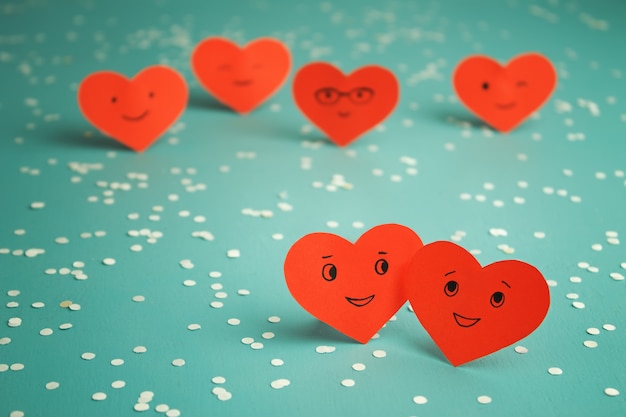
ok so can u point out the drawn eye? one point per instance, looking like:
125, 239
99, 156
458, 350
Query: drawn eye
361, 95
113, 99
151, 94
451, 288
381, 266
521, 83
497, 299
327, 95
329, 272
485, 86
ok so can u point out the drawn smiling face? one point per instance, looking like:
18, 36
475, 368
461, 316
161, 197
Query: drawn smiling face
471, 311
504, 95
343, 103
354, 288
128, 111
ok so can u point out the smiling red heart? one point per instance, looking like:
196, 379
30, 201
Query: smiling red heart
354, 288
134, 112
471, 311
504, 96
241, 78
345, 106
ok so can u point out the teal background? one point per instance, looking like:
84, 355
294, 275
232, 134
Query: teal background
48, 47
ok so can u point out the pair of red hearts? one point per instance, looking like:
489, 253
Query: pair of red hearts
470, 311
136, 112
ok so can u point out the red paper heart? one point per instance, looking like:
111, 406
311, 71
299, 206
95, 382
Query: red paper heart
504, 96
471, 311
135, 112
345, 107
354, 288
241, 78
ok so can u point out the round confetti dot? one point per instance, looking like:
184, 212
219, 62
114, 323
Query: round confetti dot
555, 371
280, 383
99, 396
52, 385
141, 407
233, 253
521, 350
162, 408
118, 384
578, 304
611, 392
172, 412
88, 356
358, 367
215, 274
136, 248
108, 261
325, 349
616, 276
14, 322
36, 205
278, 236
576, 280
17, 366
178, 362
348, 382
16, 413
420, 399
117, 362
277, 362
591, 344
332, 224
268, 335
233, 322
4, 367
274, 319
13, 293
379, 353
139, 298
50, 271
46, 332
217, 304
243, 292
5, 340
194, 326
217, 286
221, 295
140, 349
256, 345
484, 399
572, 296
186, 264
609, 327
593, 331
218, 379
65, 304
189, 283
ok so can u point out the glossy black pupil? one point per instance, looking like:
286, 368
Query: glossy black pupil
113, 99
151, 94
498, 297
485, 86
333, 272
451, 286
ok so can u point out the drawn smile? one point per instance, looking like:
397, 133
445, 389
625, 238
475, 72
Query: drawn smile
360, 302
506, 106
242, 83
465, 321
136, 118
343, 114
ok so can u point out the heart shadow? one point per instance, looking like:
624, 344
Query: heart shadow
200, 99
70, 135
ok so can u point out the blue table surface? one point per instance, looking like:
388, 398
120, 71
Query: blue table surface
551, 193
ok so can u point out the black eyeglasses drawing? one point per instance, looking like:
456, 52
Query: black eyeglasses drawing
329, 95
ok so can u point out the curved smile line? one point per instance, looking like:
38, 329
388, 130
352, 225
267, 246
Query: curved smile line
242, 83
135, 119
360, 302
343, 114
465, 321
506, 106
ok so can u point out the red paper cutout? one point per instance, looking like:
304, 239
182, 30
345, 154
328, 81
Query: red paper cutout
135, 112
241, 78
471, 311
345, 106
354, 288
504, 96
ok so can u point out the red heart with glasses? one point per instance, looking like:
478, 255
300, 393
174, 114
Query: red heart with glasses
504, 96
241, 78
471, 311
354, 288
135, 112
345, 106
